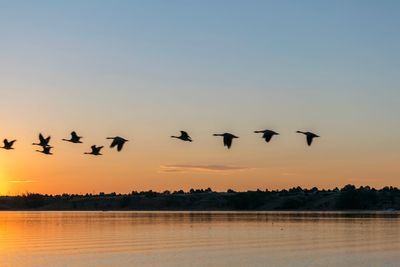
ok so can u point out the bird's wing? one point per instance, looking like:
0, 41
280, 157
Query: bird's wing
228, 141
309, 139
120, 146
5, 141
184, 134
114, 143
12, 142
267, 136
47, 140
41, 138
74, 135
93, 147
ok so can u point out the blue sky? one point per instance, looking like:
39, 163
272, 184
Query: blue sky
146, 69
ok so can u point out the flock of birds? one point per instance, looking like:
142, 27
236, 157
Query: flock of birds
118, 142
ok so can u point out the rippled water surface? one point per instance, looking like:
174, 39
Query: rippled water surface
199, 239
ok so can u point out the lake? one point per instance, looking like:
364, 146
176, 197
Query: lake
209, 239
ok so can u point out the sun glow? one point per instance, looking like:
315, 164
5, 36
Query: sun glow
3, 177
3, 183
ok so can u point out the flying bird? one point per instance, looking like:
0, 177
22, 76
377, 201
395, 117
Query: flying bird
46, 150
309, 135
8, 144
95, 150
267, 134
228, 137
118, 142
43, 141
75, 138
184, 137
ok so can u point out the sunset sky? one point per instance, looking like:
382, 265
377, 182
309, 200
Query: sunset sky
146, 69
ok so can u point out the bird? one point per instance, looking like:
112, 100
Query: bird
117, 141
75, 138
267, 134
228, 137
184, 137
310, 136
95, 150
43, 141
46, 150
8, 144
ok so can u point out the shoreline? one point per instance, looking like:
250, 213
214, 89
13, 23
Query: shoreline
349, 198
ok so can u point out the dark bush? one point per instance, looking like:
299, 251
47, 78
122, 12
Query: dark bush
32, 201
292, 203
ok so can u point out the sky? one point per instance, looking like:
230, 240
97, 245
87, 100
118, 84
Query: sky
145, 70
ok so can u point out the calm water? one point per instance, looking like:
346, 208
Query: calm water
198, 239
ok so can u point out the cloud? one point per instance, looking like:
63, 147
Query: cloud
21, 181
202, 168
289, 174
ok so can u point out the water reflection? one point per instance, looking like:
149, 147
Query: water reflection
199, 239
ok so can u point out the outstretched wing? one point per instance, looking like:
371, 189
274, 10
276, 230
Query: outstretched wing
184, 135
47, 140
5, 141
41, 138
267, 136
114, 143
120, 146
74, 135
309, 139
227, 141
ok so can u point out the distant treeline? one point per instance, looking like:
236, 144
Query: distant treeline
347, 198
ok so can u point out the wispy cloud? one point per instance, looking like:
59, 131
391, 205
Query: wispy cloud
289, 174
21, 181
202, 168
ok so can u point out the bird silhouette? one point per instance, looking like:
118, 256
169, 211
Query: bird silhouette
95, 150
228, 137
309, 135
74, 138
184, 136
46, 150
43, 141
267, 134
8, 144
118, 142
